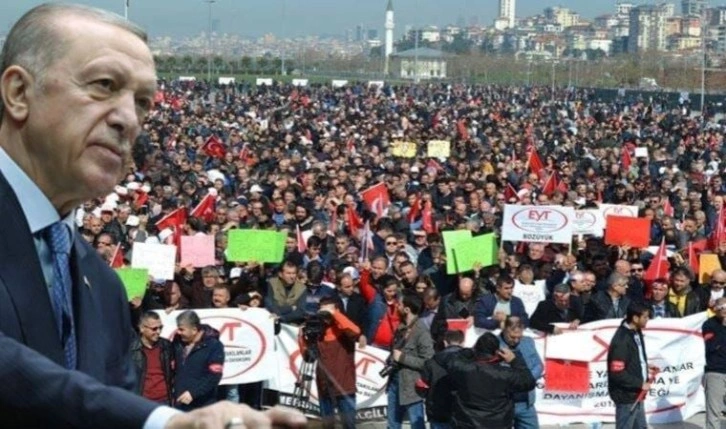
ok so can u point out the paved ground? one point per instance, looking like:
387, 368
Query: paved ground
695, 422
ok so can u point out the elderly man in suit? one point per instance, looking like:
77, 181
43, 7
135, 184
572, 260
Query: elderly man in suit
76, 85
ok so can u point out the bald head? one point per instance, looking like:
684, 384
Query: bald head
466, 288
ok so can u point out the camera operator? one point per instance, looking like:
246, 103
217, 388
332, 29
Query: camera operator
315, 290
412, 346
335, 336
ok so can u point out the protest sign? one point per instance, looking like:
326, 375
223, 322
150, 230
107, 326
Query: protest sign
617, 210
263, 81
222, 80
135, 281
482, 249
566, 376
403, 149
375, 83
641, 152
197, 250
546, 224
451, 239
248, 338
439, 149
338, 83
300, 82
159, 259
588, 222
628, 231
246, 245
707, 264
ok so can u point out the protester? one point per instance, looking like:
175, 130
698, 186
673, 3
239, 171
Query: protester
714, 380
154, 360
435, 385
491, 310
561, 309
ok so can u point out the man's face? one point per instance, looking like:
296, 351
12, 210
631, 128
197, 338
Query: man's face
220, 298
718, 281
88, 110
341, 245
637, 271
346, 287
679, 283
513, 335
186, 332
209, 279
150, 329
378, 268
505, 291
390, 292
288, 275
535, 251
409, 273
562, 300
96, 226
641, 321
659, 291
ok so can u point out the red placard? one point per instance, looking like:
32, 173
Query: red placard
457, 325
567, 376
627, 231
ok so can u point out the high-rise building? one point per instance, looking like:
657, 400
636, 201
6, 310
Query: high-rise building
647, 28
693, 7
389, 26
507, 9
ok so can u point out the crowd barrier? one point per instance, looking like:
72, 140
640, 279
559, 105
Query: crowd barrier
254, 353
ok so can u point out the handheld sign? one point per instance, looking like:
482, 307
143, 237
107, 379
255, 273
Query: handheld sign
134, 280
451, 239
159, 259
482, 249
247, 245
628, 231
197, 250
439, 149
404, 149
588, 222
544, 224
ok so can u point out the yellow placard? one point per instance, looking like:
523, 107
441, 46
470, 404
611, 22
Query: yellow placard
439, 149
707, 264
404, 149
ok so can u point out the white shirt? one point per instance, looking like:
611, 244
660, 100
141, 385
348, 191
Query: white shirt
531, 295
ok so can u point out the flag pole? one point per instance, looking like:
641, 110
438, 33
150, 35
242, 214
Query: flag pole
126, 9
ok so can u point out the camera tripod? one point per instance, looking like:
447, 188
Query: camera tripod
304, 383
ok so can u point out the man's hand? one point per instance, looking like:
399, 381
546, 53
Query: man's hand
185, 398
362, 342
217, 416
557, 330
396, 355
499, 316
328, 308
574, 324
506, 354
646, 386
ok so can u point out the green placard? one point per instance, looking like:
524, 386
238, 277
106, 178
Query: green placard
246, 245
134, 280
481, 249
451, 239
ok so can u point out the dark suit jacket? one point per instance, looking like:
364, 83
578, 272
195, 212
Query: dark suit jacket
36, 391
356, 310
547, 313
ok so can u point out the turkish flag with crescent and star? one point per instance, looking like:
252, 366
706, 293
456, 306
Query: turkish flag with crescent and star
376, 198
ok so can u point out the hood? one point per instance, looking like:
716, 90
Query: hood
447, 354
209, 332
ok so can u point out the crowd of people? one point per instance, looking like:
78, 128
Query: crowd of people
295, 159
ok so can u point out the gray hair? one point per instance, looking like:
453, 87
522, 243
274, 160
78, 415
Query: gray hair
35, 43
189, 318
617, 278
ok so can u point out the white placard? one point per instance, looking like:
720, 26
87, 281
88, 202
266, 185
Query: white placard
263, 81
187, 78
617, 210
248, 337
641, 152
159, 259
545, 224
226, 80
337, 83
300, 82
588, 222
377, 83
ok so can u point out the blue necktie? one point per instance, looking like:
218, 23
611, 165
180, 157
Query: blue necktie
58, 237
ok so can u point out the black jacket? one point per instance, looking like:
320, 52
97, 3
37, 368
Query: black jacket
451, 307
693, 303
200, 371
437, 386
356, 310
484, 391
625, 373
670, 309
167, 365
601, 307
547, 313
714, 336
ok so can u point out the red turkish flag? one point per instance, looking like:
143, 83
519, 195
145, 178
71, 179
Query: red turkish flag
535, 162
427, 221
414, 210
117, 260
205, 209
550, 185
214, 147
693, 258
510, 193
625, 159
376, 198
354, 221
659, 267
140, 198
175, 219
719, 233
668, 208
461, 128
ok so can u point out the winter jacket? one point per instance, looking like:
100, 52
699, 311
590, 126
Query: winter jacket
485, 390
714, 337
484, 310
625, 373
380, 316
200, 371
527, 351
416, 347
167, 365
435, 385
601, 307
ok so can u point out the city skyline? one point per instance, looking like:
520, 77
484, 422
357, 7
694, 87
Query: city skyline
254, 18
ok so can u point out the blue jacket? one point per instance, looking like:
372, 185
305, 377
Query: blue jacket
484, 310
200, 371
527, 351
308, 303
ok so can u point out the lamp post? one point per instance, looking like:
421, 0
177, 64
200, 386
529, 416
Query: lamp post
126, 9
282, 52
209, 41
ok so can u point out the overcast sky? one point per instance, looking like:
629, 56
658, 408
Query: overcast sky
307, 17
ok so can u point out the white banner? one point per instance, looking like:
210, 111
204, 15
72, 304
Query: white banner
617, 210
338, 83
546, 224
263, 81
588, 222
248, 338
300, 82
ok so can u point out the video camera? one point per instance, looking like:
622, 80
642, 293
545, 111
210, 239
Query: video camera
312, 332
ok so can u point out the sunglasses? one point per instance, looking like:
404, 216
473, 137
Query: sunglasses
636, 270
391, 243
154, 328
718, 283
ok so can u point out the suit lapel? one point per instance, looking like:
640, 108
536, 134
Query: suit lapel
21, 272
85, 310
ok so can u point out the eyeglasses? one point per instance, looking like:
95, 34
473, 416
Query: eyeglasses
391, 243
154, 328
718, 283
